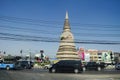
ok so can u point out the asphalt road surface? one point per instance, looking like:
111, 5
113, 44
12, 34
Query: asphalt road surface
41, 74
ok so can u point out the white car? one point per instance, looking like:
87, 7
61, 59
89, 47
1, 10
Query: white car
47, 66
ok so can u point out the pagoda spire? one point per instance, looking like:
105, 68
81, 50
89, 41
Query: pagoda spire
66, 23
66, 17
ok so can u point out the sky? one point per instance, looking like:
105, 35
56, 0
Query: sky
34, 25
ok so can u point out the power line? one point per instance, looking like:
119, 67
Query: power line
91, 26
27, 30
56, 32
49, 24
25, 36
29, 20
79, 42
38, 22
8, 36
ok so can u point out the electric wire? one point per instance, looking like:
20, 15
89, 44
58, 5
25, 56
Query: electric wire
110, 29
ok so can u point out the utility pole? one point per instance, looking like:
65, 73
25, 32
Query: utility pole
30, 57
41, 51
21, 54
111, 55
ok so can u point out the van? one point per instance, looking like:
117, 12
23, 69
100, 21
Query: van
67, 66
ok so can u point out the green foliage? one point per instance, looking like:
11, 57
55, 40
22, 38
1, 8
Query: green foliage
42, 63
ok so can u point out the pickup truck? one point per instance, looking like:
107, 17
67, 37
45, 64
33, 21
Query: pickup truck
6, 65
94, 66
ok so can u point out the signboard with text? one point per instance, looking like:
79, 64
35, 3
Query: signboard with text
106, 57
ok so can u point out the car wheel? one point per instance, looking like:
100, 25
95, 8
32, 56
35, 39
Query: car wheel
53, 70
84, 69
76, 71
45, 67
99, 68
7, 68
25, 67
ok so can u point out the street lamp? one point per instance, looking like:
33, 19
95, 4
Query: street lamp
30, 56
41, 51
21, 53
111, 55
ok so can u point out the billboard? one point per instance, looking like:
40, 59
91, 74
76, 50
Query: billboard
87, 57
81, 54
106, 57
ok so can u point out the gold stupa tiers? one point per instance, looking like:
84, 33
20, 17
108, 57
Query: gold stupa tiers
67, 50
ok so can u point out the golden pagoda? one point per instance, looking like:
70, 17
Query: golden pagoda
67, 49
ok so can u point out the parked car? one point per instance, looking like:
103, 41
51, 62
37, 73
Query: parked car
117, 66
23, 65
6, 65
67, 66
94, 66
47, 66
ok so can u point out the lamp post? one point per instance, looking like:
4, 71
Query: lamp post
111, 55
30, 58
41, 51
21, 54
4, 55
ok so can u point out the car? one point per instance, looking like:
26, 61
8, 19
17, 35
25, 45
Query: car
6, 65
117, 66
67, 66
23, 65
94, 66
47, 66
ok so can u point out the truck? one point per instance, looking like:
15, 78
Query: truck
94, 66
6, 65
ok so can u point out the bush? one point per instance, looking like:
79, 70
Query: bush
42, 63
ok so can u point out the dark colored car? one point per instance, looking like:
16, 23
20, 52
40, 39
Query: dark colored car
67, 66
94, 66
23, 65
117, 66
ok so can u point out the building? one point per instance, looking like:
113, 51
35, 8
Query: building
106, 56
100, 56
88, 55
117, 57
67, 49
93, 54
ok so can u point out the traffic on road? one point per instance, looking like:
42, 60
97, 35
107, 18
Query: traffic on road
61, 70
43, 74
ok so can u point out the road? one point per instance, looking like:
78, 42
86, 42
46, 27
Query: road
41, 74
